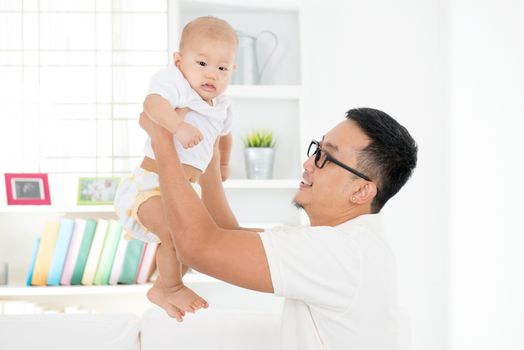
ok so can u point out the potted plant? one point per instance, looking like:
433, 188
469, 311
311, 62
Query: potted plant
259, 154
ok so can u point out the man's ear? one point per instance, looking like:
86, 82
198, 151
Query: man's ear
234, 67
364, 194
176, 58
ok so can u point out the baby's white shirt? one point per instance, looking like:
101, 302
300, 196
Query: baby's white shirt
212, 121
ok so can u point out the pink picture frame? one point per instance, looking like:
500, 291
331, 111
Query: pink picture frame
27, 189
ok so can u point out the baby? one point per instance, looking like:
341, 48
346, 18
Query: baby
201, 72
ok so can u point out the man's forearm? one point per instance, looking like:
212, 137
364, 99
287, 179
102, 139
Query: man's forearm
234, 256
189, 222
214, 197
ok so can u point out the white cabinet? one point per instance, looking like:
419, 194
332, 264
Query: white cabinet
276, 104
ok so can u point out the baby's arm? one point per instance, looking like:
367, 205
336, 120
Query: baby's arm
225, 144
161, 112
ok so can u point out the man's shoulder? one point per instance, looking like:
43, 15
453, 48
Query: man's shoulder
363, 223
300, 229
368, 233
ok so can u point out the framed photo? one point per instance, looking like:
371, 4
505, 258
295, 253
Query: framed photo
97, 190
27, 189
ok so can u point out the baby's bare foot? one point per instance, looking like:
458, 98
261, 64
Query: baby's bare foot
184, 298
157, 296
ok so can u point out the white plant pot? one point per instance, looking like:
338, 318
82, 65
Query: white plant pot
259, 162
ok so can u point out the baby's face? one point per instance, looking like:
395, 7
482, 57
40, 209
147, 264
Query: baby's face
207, 65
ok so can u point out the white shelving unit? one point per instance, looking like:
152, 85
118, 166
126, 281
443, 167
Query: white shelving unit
276, 104
95, 209
16, 291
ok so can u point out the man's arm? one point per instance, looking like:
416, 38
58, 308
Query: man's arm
225, 144
234, 256
213, 194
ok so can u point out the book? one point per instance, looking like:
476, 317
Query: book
118, 263
94, 252
103, 271
72, 254
63, 239
45, 254
147, 263
131, 262
83, 252
33, 260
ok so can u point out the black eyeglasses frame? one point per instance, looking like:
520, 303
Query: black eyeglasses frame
328, 158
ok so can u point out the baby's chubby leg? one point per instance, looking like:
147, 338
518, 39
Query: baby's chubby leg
151, 215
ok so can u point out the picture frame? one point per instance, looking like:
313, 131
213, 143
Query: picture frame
27, 189
97, 190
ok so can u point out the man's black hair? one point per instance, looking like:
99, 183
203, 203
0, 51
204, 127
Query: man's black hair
391, 155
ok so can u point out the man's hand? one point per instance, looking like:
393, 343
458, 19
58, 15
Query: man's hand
188, 135
149, 126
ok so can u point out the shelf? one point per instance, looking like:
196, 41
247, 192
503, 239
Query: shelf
16, 291
57, 209
277, 92
239, 5
290, 184
262, 184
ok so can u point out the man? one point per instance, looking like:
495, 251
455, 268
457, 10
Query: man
337, 275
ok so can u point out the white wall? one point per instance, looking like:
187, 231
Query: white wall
390, 55
487, 169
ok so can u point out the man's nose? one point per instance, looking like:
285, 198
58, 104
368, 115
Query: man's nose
309, 164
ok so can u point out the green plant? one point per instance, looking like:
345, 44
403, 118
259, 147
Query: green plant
259, 138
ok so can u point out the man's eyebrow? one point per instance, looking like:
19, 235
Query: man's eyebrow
329, 146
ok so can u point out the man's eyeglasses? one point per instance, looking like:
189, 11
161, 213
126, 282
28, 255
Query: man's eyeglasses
321, 158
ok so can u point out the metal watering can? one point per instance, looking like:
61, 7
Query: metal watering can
247, 71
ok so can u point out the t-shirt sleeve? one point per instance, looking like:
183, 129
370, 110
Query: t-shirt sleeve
317, 265
171, 85
228, 122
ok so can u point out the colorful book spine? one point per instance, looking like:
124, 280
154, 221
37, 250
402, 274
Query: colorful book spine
118, 263
33, 260
94, 253
83, 252
72, 254
131, 262
147, 263
60, 252
45, 254
103, 271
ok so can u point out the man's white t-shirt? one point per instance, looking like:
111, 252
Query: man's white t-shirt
212, 121
339, 285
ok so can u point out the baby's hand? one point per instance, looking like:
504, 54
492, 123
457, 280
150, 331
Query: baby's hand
188, 135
